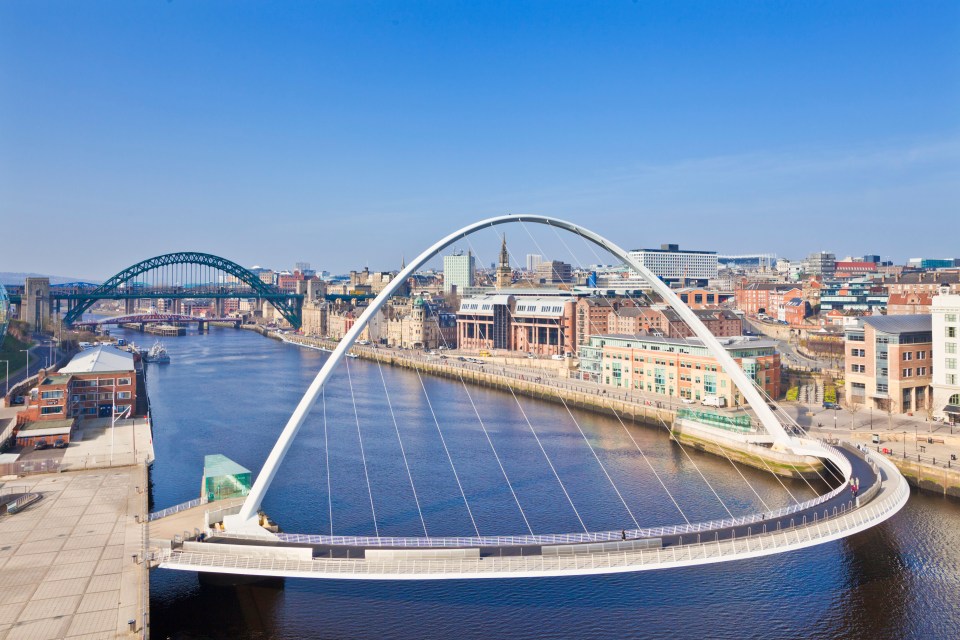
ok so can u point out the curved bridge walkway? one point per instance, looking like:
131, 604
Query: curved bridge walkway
883, 491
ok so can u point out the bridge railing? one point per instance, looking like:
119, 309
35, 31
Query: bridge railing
807, 534
823, 449
177, 508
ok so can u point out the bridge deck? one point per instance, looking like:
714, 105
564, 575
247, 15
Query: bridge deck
835, 518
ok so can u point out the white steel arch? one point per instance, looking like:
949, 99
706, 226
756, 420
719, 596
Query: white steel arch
248, 512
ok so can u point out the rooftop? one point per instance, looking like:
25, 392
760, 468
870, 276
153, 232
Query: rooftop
99, 359
900, 324
738, 342
46, 427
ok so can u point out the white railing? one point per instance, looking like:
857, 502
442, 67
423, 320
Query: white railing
169, 511
890, 500
825, 451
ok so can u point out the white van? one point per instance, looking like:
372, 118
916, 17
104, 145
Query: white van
714, 401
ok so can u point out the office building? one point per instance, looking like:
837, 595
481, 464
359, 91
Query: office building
672, 264
459, 271
945, 324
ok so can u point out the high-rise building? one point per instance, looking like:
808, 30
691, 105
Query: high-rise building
820, 264
458, 271
533, 261
945, 313
672, 264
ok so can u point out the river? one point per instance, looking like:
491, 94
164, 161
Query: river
231, 392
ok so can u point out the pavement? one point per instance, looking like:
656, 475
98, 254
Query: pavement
67, 567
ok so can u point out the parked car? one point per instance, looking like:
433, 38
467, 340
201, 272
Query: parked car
41, 445
831, 405
60, 444
17, 400
688, 401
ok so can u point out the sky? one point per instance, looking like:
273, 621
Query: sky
354, 133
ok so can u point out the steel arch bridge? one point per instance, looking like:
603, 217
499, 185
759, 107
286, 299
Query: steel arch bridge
185, 272
248, 549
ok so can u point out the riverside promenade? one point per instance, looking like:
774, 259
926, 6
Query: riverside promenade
71, 564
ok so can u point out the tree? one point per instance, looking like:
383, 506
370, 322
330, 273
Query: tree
854, 407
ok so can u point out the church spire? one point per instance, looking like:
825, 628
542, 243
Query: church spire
504, 272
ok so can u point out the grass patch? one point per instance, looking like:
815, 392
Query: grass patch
11, 350
830, 394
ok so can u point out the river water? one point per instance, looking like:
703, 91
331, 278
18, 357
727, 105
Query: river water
231, 392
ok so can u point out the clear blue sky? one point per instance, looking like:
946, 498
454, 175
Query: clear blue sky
345, 133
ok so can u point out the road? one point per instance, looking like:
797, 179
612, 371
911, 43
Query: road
40, 354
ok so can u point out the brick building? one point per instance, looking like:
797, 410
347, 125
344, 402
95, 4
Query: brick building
889, 363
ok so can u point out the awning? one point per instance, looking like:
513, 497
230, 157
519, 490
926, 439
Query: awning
952, 408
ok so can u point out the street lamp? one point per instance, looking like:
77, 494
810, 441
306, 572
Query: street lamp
904, 445
27, 351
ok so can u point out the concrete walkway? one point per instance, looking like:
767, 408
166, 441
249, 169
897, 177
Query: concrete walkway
69, 564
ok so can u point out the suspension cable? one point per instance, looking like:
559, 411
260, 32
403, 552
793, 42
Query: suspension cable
362, 454
326, 452
614, 310
402, 451
447, 451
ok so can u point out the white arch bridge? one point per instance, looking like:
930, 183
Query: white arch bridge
244, 547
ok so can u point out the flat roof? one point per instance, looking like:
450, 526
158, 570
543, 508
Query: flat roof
46, 428
100, 360
738, 342
900, 324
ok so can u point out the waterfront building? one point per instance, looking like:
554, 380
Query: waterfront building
945, 324
533, 261
459, 271
678, 367
853, 268
593, 316
420, 325
672, 264
314, 316
889, 363
666, 321
543, 325
95, 383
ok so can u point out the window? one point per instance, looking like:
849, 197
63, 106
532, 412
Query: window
949, 347
921, 371
908, 355
123, 382
950, 363
907, 373
955, 399
858, 368
950, 317
49, 410
951, 332
884, 372
123, 395
951, 378
881, 387
858, 353
921, 355
51, 395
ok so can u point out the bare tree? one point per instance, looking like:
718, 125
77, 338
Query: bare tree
854, 407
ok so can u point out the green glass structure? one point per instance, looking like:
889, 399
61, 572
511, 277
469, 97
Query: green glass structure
223, 478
